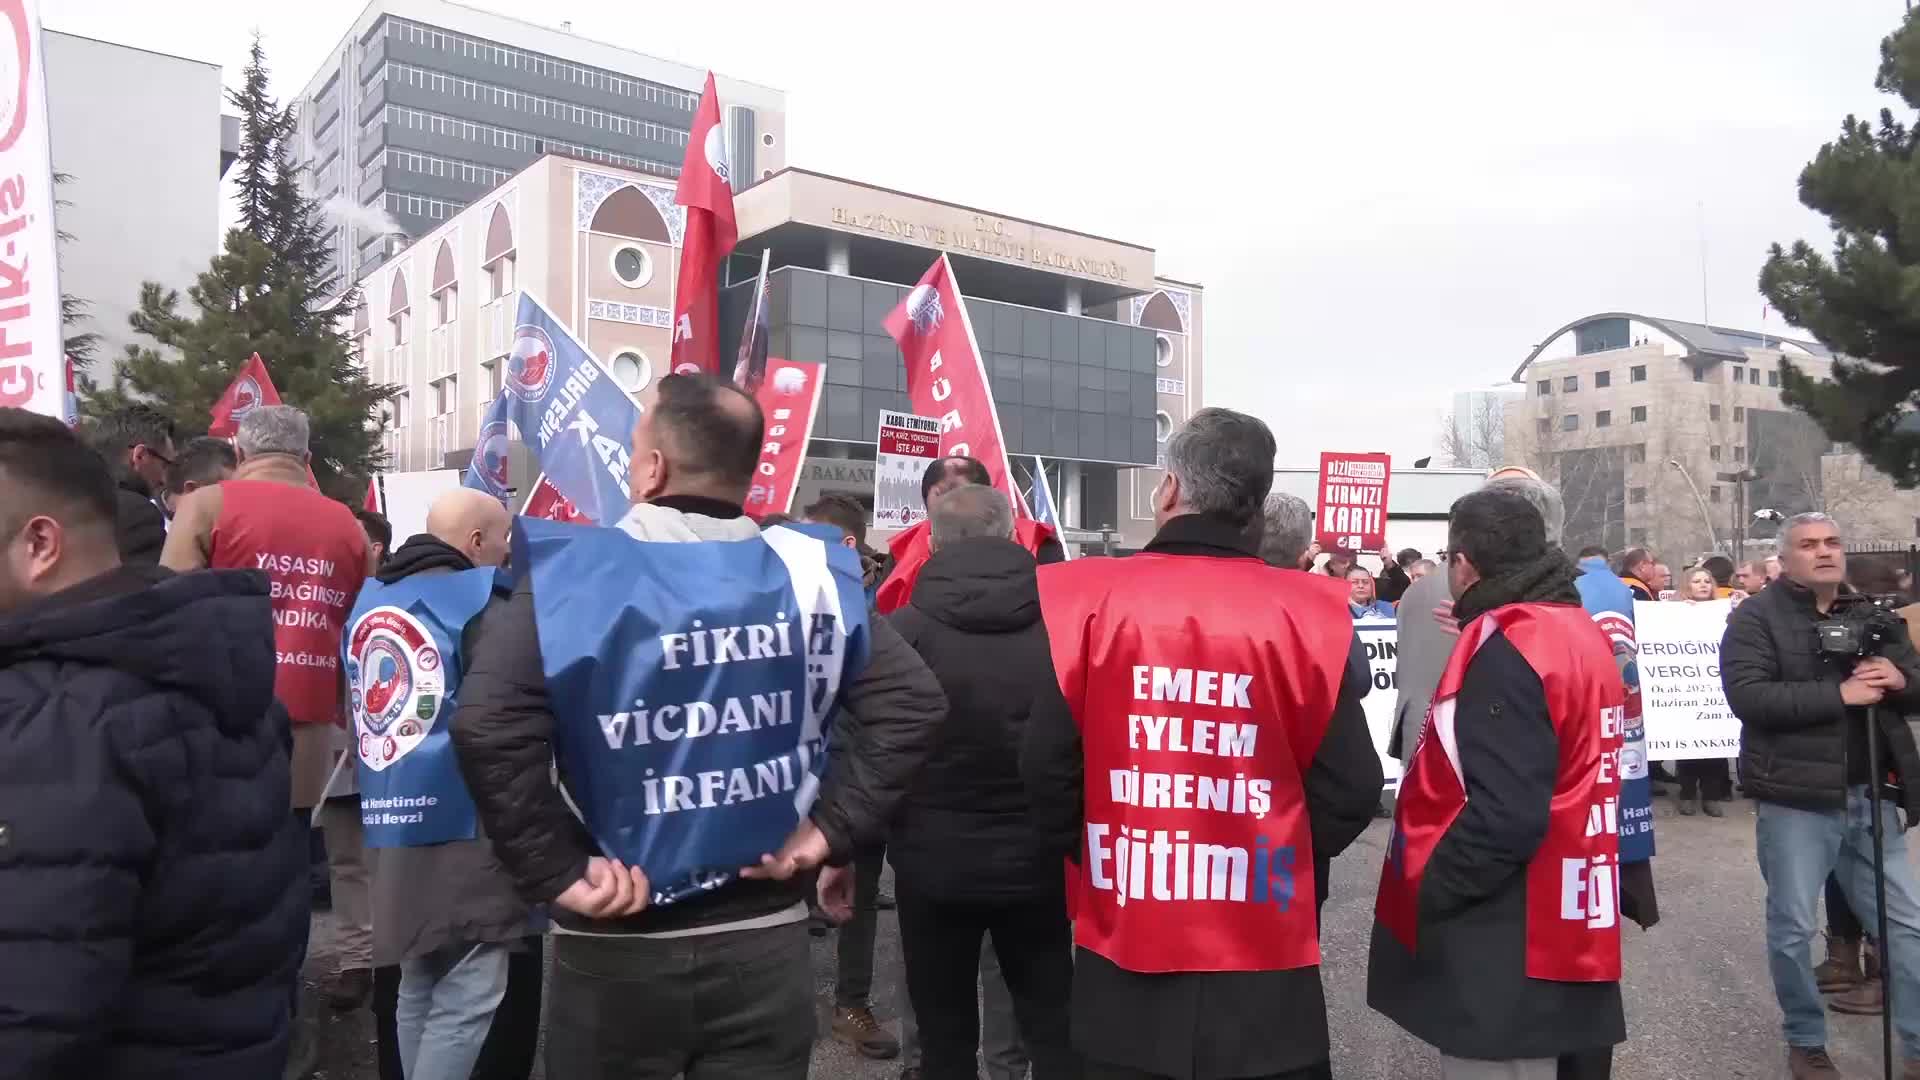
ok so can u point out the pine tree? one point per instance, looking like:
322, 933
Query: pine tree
271, 290
1864, 301
262, 130
76, 342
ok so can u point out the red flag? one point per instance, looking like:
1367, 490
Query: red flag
547, 502
946, 379
706, 190
248, 389
372, 501
789, 398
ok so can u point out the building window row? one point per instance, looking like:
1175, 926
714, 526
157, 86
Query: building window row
422, 206
536, 105
538, 64
1602, 380
517, 141
431, 165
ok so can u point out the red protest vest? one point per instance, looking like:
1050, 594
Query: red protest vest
315, 553
910, 553
1202, 688
1573, 923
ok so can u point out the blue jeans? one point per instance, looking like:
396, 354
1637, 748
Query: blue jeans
1797, 850
447, 1001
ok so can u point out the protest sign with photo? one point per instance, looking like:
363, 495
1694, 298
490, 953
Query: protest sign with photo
1682, 703
908, 444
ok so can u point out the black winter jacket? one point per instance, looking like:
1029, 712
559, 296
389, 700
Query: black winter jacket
1210, 1025
1467, 991
1794, 729
503, 734
963, 832
140, 529
153, 908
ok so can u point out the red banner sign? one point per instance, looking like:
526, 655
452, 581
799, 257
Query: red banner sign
1353, 501
945, 377
789, 399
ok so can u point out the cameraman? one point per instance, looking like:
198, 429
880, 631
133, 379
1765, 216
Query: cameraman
1803, 757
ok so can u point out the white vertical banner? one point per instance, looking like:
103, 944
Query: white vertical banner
1381, 640
32, 359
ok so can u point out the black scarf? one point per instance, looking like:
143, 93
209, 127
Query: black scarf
1547, 579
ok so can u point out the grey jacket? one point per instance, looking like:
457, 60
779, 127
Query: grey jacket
1423, 650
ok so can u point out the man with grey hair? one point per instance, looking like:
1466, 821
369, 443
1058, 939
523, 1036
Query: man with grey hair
1805, 721
1288, 530
268, 517
967, 861
1167, 980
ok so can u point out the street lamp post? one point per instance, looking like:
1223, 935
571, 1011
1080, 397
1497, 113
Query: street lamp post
1739, 480
1706, 516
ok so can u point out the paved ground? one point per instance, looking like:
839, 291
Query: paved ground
1699, 1003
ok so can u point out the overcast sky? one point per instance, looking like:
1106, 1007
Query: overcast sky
1386, 202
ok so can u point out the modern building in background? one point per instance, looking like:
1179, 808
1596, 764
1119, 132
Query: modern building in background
1476, 433
140, 141
1671, 434
425, 105
1092, 358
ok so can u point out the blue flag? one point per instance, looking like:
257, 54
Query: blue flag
488, 470
693, 687
568, 410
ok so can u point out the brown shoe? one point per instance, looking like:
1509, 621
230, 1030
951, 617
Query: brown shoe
350, 989
1869, 998
858, 1029
1841, 969
1811, 1063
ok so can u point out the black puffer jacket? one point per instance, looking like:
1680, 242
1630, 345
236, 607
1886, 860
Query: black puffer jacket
1794, 744
963, 832
140, 529
152, 908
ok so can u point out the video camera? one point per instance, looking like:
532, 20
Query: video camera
1859, 624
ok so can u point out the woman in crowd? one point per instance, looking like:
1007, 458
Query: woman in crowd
1704, 782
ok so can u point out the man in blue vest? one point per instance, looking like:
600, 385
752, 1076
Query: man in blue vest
627, 658
444, 912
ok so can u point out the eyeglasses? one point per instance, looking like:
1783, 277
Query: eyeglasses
164, 459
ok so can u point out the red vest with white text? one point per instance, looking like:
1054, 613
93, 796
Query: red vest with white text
1573, 923
1202, 688
910, 554
315, 553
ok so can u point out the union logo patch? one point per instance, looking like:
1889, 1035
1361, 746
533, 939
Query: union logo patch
394, 683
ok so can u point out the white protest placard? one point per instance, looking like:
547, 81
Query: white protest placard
1381, 640
1681, 700
907, 445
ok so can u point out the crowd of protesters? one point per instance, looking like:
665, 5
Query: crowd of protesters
180, 717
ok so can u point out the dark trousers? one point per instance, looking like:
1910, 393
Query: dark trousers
729, 1006
512, 1038
853, 975
1099, 1071
1706, 778
941, 940
1842, 923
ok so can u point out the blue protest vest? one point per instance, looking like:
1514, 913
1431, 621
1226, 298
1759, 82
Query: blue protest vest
401, 650
1610, 602
693, 686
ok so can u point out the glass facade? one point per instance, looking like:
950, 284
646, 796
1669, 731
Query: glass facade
1065, 386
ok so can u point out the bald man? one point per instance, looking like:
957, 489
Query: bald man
444, 912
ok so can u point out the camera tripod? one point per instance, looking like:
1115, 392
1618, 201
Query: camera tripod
1876, 776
